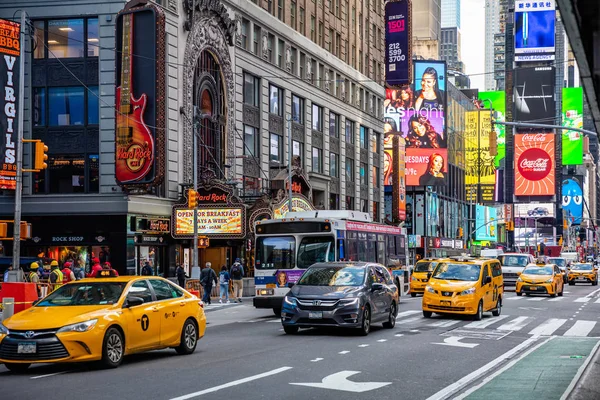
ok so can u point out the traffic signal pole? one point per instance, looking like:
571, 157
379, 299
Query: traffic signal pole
19, 149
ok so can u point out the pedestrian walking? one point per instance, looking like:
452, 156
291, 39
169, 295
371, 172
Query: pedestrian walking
108, 266
237, 279
79, 269
56, 276
224, 283
147, 269
180, 272
95, 267
67, 272
207, 277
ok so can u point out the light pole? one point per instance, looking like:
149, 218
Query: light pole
195, 122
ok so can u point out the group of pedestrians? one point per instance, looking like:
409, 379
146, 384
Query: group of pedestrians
227, 277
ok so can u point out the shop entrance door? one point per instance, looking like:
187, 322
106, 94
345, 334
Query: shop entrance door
217, 256
155, 255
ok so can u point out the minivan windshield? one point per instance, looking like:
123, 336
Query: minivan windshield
424, 266
538, 271
561, 262
514, 261
333, 276
582, 267
457, 272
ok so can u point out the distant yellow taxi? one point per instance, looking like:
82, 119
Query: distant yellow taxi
419, 279
583, 273
463, 285
540, 279
103, 319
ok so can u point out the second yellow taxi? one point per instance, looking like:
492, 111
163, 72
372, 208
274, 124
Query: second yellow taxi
583, 273
103, 319
464, 285
419, 279
540, 279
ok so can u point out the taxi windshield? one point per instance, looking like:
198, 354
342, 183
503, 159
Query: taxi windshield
84, 294
424, 266
333, 276
582, 267
457, 272
538, 271
561, 262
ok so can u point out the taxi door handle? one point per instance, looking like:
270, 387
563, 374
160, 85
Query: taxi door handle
182, 304
155, 309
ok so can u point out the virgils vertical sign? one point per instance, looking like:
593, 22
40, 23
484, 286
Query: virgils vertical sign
10, 50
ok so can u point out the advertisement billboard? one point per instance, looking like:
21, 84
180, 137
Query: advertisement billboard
400, 177
398, 42
572, 116
534, 164
534, 30
480, 178
211, 221
140, 107
498, 102
572, 200
534, 210
10, 34
534, 94
485, 221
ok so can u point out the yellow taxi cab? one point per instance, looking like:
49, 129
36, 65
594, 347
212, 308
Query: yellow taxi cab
419, 279
464, 285
103, 319
540, 278
583, 273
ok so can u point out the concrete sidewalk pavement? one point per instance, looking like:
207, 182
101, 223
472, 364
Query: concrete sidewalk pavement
588, 385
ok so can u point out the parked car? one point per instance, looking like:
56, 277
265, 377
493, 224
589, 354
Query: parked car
341, 294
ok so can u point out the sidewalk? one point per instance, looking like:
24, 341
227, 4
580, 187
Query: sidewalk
588, 385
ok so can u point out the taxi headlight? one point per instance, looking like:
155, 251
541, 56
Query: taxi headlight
79, 327
429, 289
290, 300
549, 280
519, 279
3, 330
467, 291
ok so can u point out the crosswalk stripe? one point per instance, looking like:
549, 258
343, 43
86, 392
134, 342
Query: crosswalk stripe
407, 313
513, 298
515, 325
582, 300
486, 322
445, 323
557, 299
548, 327
581, 328
407, 321
536, 298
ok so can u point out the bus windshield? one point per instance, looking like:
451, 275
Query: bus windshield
275, 252
314, 249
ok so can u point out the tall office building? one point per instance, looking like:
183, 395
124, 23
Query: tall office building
450, 41
492, 19
451, 13
427, 27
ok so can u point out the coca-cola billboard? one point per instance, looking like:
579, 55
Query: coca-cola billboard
534, 164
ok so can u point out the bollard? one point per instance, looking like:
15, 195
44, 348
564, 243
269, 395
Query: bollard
8, 307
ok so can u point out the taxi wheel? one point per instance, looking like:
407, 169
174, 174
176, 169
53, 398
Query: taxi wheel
17, 368
290, 330
277, 312
571, 283
479, 314
562, 290
519, 294
413, 295
189, 338
366, 322
595, 283
427, 314
555, 290
113, 348
498, 310
391, 322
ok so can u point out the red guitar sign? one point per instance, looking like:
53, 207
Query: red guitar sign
134, 156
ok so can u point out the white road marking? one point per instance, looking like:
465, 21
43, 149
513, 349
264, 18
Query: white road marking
536, 298
455, 341
486, 322
48, 375
597, 301
548, 327
582, 300
233, 383
382, 340
581, 328
408, 321
407, 313
557, 299
513, 298
363, 345
399, 335
317, 359
515, 325
344, 352
339, 381
414, 330
445, 323
274, 320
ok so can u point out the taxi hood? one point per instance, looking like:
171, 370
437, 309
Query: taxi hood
536, 278
451, 286
36, 318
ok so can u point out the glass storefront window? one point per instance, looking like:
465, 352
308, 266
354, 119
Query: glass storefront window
93, 107
39, 106
39, 39
65, 38
93, 42
66, 106
66, 173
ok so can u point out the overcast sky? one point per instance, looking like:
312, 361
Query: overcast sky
472, 21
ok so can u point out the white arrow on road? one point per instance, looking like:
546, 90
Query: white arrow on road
339, 381
455, 341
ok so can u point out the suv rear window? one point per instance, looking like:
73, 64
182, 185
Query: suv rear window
514, 261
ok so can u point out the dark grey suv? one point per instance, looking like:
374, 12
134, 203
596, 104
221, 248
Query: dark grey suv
344, 294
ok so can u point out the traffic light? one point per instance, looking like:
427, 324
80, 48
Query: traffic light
3, 229
565, 223
41, 156
192, 198
560, 241
460, 232
25, 230
510, 226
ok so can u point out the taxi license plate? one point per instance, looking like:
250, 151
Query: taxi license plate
581, 278
533, 288
315, 314
27, 348
445, 303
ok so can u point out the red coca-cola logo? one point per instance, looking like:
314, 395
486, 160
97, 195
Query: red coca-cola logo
538, 137
534, 164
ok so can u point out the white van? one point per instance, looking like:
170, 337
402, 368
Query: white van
570, 256
491, 253
513, 263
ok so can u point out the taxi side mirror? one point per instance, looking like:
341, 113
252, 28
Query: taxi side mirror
133, 301
488, 279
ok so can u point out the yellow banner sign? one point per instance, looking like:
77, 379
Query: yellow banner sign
211, 221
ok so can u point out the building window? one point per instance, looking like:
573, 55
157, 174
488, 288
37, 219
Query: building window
251, 141
251, 186
337, 8
349, 203
251, 90
66, 105
302, 13
334, 201
349, 131
376, 211
93, 40
302, 64
349, 169
280, 51
353, 56
270, 45
375, 142
353, 19
331, 43
66, 173
244, 33
312, 28
363, 174
363, 137
375, 176
293, 15
93, 107
298, 109
294, 55
298, 151
338, 45
364, 205
334, 165
39, 107
280, 14
321, 38
334, 125
317, 118
313, 75
275, 100
276, 145
40, 34
256, 40
317, 160
66, 38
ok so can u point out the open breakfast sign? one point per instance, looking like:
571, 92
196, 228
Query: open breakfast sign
226, 222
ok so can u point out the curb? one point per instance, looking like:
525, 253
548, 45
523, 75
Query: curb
587, 386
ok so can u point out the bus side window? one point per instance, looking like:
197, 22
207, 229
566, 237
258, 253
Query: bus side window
341, 250
381, 252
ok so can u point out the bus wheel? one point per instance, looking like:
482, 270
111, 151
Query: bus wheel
277, 312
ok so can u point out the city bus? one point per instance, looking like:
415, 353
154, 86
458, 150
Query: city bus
286, 247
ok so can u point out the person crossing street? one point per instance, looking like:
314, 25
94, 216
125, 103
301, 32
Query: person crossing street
56, 276
207, 277
237, 278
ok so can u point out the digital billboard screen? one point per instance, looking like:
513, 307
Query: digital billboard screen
534, 164
572, 200
498, 103
398, 42
572, 116
486, 221
534, 95
534, 30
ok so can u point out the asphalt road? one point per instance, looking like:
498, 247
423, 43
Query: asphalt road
246, 355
